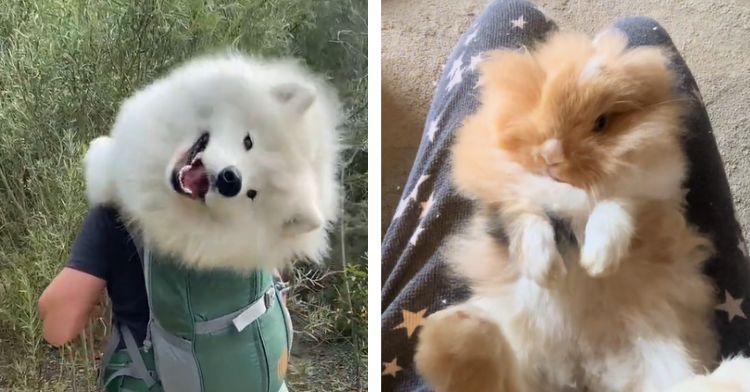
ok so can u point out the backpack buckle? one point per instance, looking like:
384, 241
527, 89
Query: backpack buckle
268, 297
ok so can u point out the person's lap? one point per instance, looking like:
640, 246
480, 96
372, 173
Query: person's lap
416, 282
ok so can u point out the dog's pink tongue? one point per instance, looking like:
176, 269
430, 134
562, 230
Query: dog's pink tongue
195, 179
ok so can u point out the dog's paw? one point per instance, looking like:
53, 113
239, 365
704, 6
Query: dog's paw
607, 238
461, 349
537, 253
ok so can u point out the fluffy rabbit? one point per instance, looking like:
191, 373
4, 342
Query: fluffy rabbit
585, 273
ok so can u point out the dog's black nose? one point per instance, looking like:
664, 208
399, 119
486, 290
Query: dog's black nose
229, 181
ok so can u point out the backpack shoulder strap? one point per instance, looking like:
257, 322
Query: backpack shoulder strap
144, 255
136, 368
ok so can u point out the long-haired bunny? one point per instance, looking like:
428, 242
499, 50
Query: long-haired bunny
585, 274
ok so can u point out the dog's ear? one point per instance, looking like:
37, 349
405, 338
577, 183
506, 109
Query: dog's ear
295, 97
305, 219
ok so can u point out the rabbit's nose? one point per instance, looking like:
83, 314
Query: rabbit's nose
552, 152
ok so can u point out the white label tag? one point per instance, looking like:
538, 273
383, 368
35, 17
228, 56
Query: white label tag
257, 309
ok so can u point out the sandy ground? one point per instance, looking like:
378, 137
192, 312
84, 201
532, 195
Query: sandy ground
713, 37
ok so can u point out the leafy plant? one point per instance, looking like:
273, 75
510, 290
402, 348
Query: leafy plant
66, 66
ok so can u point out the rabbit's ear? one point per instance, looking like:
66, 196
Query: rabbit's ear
610, 43
608, 46
295, 97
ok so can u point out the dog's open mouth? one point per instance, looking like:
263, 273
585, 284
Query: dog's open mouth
189, 176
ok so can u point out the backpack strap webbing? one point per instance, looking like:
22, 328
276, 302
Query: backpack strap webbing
136, 368
241, 318
109, 350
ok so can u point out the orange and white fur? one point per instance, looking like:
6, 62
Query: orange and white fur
588, 131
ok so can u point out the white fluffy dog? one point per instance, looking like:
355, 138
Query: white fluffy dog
226, 162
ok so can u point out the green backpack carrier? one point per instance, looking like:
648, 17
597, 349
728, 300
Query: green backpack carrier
210, 331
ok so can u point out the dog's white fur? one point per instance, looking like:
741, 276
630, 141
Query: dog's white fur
292, 117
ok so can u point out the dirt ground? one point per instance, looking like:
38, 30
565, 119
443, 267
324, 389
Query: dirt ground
712, 35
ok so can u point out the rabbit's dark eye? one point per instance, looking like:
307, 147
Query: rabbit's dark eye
600, 123
248, 142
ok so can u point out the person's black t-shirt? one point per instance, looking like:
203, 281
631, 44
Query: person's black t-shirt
105, 249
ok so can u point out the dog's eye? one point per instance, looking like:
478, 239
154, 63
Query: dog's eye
600, 123
248, 142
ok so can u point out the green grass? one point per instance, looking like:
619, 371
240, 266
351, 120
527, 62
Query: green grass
65, 67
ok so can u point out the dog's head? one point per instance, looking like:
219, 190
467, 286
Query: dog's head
246, 151
234, 156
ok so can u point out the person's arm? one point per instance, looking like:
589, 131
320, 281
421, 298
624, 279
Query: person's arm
65, 305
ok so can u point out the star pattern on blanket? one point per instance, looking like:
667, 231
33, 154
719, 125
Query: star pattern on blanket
415, 236
411, 321
415, 192
426, 205
391, 368
403, 204
432, 126
400, 208
731, 305
519, 22
455, 74
470, 37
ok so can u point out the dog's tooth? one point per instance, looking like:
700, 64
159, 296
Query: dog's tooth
180, 174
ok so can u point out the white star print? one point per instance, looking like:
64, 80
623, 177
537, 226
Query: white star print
433, 127
454, 81
731, 305
415, 236
474, 61
426, 206
518, 22
455, 75
471, 36
457, 64
413, 194
402, 204
415, 191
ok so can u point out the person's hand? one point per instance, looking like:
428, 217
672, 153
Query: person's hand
66, 304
